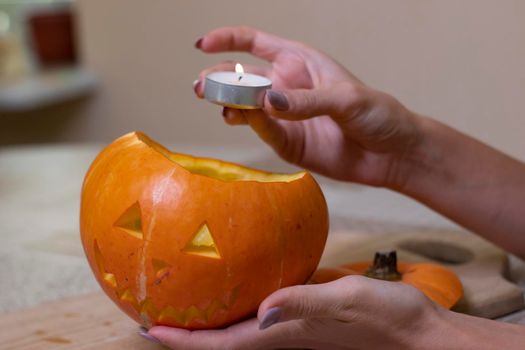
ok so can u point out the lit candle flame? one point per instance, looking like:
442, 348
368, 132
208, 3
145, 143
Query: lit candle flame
239, 70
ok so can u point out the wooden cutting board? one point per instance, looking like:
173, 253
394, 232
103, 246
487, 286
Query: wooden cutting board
480, 265
94, 322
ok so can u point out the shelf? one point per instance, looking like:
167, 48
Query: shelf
46, 89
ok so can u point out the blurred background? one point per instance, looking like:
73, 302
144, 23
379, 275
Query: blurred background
92, 70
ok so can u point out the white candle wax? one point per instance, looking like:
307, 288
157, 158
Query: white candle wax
240, 79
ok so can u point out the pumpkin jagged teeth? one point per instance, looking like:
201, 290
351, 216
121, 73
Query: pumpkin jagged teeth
147, 307
192, 313
186, 316
215, 306
126, 295
170, 312
148, 311
183, 317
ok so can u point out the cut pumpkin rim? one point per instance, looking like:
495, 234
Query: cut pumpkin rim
215, 168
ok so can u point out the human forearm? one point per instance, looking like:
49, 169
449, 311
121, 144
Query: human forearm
450, 330
471, 183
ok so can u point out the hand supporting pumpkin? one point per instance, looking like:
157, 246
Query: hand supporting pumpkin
351, 313
323, 118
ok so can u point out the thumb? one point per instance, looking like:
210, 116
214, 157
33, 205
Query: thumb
300, 104
301, 302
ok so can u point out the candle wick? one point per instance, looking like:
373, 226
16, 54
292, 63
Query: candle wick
240, 77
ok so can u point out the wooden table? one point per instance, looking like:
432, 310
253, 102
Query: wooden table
89, 321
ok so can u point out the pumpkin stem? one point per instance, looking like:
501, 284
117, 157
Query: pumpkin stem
384, 267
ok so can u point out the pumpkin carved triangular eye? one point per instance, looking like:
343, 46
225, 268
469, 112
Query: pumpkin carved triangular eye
131, 222
202, 244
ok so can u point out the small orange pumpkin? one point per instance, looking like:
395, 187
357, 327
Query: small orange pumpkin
192, 242
438, 283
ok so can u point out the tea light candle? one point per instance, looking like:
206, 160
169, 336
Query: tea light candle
236, 89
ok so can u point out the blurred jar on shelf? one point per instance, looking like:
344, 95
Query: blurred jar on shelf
51, 34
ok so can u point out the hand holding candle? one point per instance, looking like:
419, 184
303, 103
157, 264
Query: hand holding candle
317, 114
236, 89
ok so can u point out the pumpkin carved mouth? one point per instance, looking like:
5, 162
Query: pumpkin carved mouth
146, 308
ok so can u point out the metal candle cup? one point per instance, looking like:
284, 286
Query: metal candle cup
235, 90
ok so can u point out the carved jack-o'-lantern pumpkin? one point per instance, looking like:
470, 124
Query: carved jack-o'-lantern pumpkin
193, 242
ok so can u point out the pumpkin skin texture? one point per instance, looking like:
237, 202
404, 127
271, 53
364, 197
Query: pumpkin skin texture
439, 284
192, 242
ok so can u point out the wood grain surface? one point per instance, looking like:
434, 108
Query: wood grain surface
85, 322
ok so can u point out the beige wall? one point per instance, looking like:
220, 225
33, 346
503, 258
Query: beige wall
462, 62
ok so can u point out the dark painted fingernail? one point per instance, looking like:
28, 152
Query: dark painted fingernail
143, 332
278, 100
196, 85
272, 316
198, 43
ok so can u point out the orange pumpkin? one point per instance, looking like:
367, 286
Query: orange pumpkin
192, 242
438, 283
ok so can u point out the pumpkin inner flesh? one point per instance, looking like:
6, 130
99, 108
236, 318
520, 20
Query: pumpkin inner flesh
218, 169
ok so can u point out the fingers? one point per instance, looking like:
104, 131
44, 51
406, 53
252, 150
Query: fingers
244, 335
198, 85
302, 302
338, 101
246, 39
233, 116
